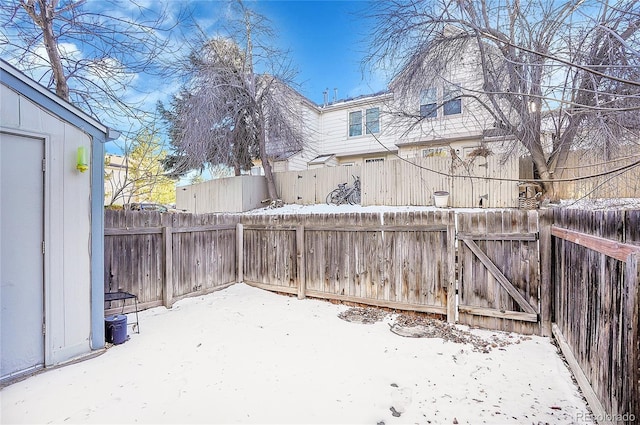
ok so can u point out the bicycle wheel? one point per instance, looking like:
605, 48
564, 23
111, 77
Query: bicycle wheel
354, 197
334, 197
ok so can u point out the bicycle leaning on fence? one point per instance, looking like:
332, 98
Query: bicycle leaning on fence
345, 194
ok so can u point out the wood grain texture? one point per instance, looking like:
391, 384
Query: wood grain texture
596, 301
499, 270
162, 257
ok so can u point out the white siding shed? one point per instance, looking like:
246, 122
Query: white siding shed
52, 227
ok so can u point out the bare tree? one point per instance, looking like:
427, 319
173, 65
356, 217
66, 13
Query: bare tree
89, 52
230, 113
570, 67
138, 175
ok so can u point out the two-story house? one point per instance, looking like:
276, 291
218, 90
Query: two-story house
437, 110
344, 132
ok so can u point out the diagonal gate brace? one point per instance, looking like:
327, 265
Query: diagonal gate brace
501, 278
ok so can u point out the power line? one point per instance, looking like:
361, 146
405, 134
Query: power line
571, 179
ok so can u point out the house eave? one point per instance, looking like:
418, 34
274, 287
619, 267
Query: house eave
439, 142
367, 153
22, 78
357, 101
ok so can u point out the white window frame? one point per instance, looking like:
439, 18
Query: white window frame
365, 123
375, 124
449, 94
355, 125
429, 103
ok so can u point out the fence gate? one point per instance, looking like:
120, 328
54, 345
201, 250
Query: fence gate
499, 270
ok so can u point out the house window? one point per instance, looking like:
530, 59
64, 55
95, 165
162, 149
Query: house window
429, 103
434, 152
355, 123
372, 160
373, 120
452, 101
369, 118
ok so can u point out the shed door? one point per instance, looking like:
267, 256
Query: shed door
21, 257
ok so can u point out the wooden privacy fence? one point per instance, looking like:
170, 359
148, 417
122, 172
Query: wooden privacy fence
501, 283
414, 181
401, 261
610, 184
596, 274
312, 186
164, 257
581, 163
410, 182
511, 270
404, 260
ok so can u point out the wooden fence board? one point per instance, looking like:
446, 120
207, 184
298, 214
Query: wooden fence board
500, 276
409, 182
596, 300
376, 258
144, 256
406, 260
585, 163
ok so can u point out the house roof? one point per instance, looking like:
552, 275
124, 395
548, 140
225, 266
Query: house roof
13, 78
367, 98
116, 161
281, 156
321, 159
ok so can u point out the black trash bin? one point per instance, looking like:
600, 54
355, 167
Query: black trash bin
115, 328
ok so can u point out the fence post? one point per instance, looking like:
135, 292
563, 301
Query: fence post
545, 220
167, 291
629, 337
451, 262
240, 252
300, 259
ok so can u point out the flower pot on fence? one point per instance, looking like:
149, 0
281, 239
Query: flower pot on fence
441, 199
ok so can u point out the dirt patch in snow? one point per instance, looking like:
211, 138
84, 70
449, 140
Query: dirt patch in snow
412, 325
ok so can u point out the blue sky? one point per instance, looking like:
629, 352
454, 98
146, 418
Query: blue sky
326, 40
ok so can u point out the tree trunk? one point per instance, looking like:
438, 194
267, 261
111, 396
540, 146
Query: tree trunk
45, 22
268, 174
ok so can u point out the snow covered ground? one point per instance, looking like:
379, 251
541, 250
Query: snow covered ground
244, 355
589, 204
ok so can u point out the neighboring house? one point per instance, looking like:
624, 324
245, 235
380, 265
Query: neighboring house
51, 227
345, 132
116, 189
287, 158
441, 118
